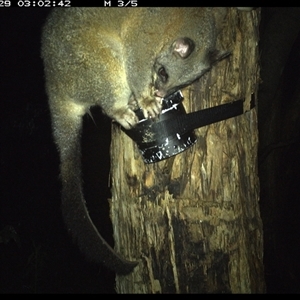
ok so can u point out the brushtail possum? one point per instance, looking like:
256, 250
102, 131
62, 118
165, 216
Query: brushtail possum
119, 59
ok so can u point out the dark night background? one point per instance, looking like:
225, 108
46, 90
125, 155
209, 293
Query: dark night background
36, 254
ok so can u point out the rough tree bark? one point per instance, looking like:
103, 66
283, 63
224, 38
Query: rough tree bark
192, 221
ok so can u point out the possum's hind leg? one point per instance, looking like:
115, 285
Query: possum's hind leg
67, 125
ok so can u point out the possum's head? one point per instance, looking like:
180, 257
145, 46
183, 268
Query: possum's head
181, 64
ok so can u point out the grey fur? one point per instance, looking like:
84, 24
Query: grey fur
117, 58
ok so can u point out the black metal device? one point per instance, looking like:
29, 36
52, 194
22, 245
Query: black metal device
157, 142
173, 132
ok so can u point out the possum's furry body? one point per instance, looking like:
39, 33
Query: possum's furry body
119, 59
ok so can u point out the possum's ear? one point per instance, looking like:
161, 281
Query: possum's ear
183, 47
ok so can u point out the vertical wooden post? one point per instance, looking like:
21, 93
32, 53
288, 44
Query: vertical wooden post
192, 221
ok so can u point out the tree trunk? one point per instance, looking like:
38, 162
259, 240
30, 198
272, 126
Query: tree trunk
192, 221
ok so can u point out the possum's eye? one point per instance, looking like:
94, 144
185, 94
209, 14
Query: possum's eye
163, 74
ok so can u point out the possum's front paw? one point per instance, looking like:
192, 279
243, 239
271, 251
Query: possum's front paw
126, 117
151, 107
